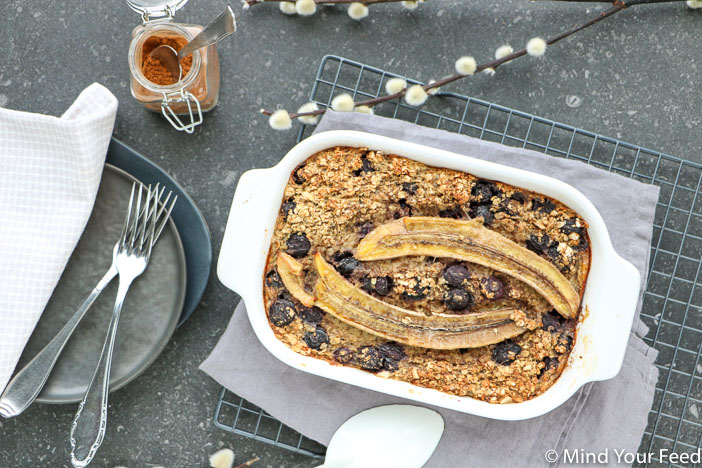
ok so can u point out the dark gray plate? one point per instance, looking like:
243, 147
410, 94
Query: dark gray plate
191, 225
150, 313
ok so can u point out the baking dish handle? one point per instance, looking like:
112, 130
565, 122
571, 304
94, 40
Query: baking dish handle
244, 231
621, 285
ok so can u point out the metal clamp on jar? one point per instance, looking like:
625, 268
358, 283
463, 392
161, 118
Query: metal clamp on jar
181, 101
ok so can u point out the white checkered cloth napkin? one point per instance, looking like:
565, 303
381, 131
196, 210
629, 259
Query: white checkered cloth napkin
50, 170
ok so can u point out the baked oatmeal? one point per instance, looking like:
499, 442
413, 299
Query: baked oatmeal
426, 275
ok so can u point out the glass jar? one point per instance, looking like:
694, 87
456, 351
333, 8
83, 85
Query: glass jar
197, 91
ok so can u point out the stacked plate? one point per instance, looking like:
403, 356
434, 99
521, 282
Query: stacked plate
162, 298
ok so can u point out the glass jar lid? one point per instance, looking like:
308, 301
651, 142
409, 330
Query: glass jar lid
156, 8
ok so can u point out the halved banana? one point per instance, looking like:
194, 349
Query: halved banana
290, 271
340, 298
470, 241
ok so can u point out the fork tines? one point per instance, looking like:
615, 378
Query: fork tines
152, 216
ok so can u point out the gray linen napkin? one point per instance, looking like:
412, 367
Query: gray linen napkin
596, 419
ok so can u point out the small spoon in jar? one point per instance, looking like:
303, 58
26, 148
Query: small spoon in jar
218, 29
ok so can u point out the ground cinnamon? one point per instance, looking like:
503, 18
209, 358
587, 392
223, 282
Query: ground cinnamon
152, 68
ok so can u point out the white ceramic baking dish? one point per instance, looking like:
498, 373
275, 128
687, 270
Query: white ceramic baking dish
610, 299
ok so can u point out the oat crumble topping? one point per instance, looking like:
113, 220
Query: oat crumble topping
339, 195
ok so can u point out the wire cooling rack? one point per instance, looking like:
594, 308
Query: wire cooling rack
234, 414
672, 306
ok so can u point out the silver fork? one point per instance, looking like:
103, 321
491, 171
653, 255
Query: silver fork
26, 385
133, 253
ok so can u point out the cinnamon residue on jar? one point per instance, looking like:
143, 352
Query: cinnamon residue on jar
152, 68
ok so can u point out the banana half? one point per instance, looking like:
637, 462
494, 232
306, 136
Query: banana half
470, 241
338, 297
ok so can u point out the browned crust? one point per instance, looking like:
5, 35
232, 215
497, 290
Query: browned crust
330, 203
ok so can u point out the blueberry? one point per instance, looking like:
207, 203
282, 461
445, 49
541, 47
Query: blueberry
273, 279
543, 205
506, 352
364, 229
369, 358
484, 190
455, 275
282, 312
570, 227
381, 285
456, 213
566, 341
315, 339
492, 288
544, 246
298, 245
583, 244
538, 244
347, 266
503, 207
288, 206
312, 315
365, 167
390, 365
409, 188
483, 209
392, 350
458, 299
405, 209
549, 363
343, 355
518, 197
339, 256
553, 254
551, 321
418, 292
297, 177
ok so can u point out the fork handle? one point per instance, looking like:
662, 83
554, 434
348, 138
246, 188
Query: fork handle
90, 422
28, 383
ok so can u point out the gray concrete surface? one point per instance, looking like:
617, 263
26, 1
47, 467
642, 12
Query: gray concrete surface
637, 76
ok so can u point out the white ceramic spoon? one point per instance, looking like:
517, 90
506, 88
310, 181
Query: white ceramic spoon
387, 436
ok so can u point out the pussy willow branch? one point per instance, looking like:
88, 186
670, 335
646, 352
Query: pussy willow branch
322, 2
248, 463
616, 8
494, 64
